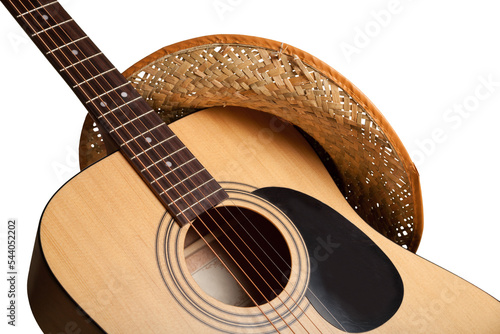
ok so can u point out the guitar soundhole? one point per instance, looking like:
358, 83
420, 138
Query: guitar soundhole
255, 255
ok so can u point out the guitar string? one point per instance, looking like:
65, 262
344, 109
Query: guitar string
228, 225
17, 9
209, 214
133, 152
286, 263
212, 250
267, 255
236, 234
233, 228
240, 237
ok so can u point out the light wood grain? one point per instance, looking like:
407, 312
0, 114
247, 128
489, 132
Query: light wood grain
99, 233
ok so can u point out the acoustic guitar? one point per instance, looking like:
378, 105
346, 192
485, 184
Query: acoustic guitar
159, 238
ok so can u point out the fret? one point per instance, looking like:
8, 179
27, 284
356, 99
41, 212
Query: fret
62, 33
140, 135
161, 168
191, 191
87, 69
107, 93
156, 164
94, 85
39, 20
159, 165
171, 193
44, 17
80, 61
199, 201
132, 120
159, 177
67, 44
155, 145
134, 128
94, 77
155, 156
78, 51
191, 200
119, 107
119, 120
172, 147
173, 185
35, 9
181, 181
173, 169
51, 27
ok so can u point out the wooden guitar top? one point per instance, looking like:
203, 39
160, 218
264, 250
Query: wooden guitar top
100, 236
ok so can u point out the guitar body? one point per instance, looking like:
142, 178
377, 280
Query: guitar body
109, 258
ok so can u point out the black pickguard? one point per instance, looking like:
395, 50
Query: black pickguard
352, 281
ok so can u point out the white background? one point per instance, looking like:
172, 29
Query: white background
414, 64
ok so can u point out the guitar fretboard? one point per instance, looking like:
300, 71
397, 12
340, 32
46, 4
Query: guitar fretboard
178, 179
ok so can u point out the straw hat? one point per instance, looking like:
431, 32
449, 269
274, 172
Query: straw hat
370, 164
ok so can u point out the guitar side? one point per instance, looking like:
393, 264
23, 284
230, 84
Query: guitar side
99, 232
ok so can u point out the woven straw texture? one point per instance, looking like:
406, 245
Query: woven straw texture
372, 168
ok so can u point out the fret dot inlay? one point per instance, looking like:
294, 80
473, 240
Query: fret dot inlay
124, 94
103, 104
169, 164
45, 17
149, 140
75, 52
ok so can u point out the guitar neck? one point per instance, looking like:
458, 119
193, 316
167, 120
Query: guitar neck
178, 179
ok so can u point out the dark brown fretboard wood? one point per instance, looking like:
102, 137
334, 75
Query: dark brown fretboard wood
178, 179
